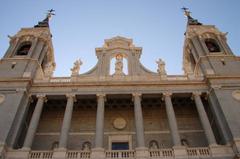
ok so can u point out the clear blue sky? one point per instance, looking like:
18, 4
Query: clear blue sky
156, 25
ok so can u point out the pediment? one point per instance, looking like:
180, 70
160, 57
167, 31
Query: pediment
118, 42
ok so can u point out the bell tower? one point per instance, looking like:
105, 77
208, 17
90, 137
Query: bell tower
206, 51
207, 54
30, 54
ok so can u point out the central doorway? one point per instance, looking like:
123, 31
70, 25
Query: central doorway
120, 142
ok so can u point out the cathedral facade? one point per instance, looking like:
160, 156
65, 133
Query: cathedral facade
131, 113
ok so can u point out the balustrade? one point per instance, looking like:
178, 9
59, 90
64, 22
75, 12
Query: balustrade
128, 154
78, 155
161, 153
41, 155
198, 152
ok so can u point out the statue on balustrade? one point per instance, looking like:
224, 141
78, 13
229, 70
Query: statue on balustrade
161, 67
76, 68
153, 145
86, 146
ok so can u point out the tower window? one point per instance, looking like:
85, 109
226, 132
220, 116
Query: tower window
24, 49
212, 45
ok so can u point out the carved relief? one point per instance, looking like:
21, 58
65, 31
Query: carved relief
119, 123
2, 98
236, 95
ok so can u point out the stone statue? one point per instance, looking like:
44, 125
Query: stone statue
119, 65
161, 67
48, 69
86, 146
76, 67
153, 145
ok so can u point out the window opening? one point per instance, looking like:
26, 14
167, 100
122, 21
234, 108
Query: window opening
24, 49
212, 45
120, 146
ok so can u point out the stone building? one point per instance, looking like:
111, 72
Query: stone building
127, 114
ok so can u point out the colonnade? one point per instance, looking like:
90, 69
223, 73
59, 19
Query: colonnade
138, 115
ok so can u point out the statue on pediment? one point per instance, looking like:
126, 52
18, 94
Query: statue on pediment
76, 67
119, 65
161, 67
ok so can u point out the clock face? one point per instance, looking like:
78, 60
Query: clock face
236, 94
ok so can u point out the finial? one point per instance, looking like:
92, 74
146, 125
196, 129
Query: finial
44, 23
49, 14
191, 20
186, 12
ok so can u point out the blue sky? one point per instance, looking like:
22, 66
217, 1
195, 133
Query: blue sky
156, 25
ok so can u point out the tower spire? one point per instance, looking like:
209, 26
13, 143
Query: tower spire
45, 22
191, 20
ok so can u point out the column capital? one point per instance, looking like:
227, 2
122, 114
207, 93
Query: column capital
101, 95
136, 94
71, 95
42, 96
167, 94
196, 93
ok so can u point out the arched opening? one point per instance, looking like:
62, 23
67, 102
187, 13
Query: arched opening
24, 49
118, 65
212, 45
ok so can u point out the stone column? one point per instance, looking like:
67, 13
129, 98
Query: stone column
138, 120
204, 119
172, 119
66, 121
34, 122
100, 121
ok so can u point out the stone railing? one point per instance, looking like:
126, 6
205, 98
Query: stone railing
128, 154
161, 153
198, 152
78, 155
41, 155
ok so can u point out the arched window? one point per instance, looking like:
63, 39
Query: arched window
212, 45
24, 49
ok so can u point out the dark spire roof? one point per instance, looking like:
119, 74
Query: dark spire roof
191, 20
45, 22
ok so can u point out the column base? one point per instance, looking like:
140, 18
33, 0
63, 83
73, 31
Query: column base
142, 153
221, 151
98, 153
59, 153
2, 150
236, 146
18, 154
180, 152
